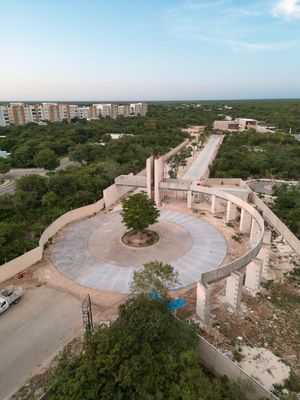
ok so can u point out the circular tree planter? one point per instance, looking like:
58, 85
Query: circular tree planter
145, 238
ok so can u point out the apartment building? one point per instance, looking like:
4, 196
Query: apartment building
138, 109
123, 110
4, 118
83, 112
20, 113
68, 111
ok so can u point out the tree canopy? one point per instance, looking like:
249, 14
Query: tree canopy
139, 212
47, 159
147, 354
155, 276
258, 155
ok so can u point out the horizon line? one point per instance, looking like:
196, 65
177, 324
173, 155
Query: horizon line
150, 101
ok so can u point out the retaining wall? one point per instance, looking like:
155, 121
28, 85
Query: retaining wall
222, 365
70, 216
273, 220
13, 267
28, 259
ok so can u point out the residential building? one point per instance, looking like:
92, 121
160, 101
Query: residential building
20, 113
83, 112
123, 110
4, 118
68, 111
138, 109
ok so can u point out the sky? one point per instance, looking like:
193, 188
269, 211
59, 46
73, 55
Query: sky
149, 49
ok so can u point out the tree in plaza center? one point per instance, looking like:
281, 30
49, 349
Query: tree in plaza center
139, 212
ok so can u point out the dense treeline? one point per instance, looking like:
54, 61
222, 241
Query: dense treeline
287, 206
258, 155
282, 114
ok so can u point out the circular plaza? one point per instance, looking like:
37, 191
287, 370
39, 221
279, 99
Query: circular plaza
91, 253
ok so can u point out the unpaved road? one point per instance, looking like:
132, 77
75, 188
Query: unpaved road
32, 331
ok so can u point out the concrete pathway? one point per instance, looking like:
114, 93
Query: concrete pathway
199, 167
199, 247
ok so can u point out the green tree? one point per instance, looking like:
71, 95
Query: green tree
139, 212
4, 165
155, 276
146, 355
47, 159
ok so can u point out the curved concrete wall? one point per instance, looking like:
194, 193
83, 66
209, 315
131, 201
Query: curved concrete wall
28, 259
227, 269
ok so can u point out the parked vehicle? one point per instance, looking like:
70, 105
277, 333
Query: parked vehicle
8, 296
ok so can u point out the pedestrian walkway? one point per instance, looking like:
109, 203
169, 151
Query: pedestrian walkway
199, 168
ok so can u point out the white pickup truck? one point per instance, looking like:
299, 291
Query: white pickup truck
8, 296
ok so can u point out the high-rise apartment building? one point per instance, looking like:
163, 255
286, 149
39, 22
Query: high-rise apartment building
4, 118
20, 113
138, 109
83, 112
123, 110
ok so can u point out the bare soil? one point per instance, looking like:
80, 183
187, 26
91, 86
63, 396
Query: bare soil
140, 239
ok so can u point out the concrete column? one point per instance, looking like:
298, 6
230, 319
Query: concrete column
203, 302
189, 199
215, 204
231, 212
149, 175
158, 177
255, 232
234, 285
267, 237
253, 275
264, 256
245, 222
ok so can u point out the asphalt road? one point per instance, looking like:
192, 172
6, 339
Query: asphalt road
16, 173
199, 167
32, 331
8, 188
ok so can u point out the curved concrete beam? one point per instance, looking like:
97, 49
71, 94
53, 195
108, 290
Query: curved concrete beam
227, 269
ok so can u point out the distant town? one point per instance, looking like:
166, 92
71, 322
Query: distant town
21, 114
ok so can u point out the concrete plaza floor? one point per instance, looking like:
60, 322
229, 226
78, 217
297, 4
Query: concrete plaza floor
90, 251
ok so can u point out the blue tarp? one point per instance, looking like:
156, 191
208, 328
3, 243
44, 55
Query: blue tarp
172, 305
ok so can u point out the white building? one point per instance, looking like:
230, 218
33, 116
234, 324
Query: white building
20, 113
138, 108
4, 119
83, 112
239, 124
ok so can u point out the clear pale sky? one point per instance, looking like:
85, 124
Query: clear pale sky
149, 49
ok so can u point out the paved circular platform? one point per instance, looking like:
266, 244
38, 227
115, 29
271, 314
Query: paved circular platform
90, 251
